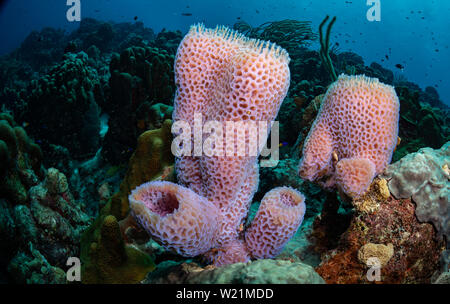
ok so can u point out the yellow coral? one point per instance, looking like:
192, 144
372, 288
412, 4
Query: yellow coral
370, 202
106, 257
109, 260
150, 160
379, 251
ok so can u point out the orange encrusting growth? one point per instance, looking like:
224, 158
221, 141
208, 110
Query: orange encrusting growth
358, 119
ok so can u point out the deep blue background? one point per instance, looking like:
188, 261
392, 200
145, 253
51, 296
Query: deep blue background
421, 45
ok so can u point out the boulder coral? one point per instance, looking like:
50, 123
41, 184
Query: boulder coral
140, 77
40, 221
353, 136
61, 107
225, 77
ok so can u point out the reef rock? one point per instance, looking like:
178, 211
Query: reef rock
254, 272
385, 228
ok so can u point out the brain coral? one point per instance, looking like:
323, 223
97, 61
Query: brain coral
223, 76
353, 136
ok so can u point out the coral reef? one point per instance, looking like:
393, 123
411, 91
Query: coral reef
40, 221
168, 40
41, 48
353, 136
108, 254
69, 90
289, 34
108, 259
21, 161
420, 124
216, 231
424, 177
140, 78
386, 228
34, 269
62, 107
151, 160
325, 47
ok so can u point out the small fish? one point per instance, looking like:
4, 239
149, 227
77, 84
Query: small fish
186, 14
387, 57
238, 18
257, 11
25, 124
399, 66
135, 18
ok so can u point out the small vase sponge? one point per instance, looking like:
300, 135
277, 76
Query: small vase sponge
354, 134
176, 216
280, 214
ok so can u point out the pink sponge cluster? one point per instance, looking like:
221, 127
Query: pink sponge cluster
278, 218
353, 136
223, 76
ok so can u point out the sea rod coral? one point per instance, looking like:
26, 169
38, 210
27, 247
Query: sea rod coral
353, 136
225, 77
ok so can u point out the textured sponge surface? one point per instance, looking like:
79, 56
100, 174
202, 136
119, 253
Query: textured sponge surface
176, 216
358, 118
226, 76
278, 218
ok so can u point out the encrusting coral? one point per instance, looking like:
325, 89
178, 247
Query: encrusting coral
353, 136
424, 177
385, 228
225, 77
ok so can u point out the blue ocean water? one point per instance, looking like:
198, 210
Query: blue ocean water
412, 33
